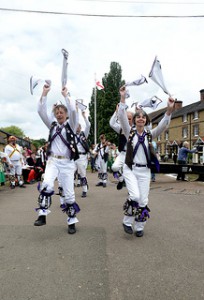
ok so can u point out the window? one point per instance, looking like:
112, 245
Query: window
159, 138
167, 135
184, 118
184, 132
195, 130
195, 115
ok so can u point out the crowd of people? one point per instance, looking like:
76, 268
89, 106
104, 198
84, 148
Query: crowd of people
21, 165
66, 155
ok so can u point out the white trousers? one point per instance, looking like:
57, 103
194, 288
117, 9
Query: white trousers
81, 165
102, 168
138, 185
63, 169
119, 163
17, 168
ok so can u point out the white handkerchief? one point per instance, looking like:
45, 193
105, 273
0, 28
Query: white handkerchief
80, 104
157, 76
150, 102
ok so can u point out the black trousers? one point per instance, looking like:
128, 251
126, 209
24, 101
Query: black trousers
181, 175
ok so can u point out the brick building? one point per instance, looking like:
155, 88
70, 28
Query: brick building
187, 124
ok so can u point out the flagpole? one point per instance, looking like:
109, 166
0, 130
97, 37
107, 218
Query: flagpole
95, 112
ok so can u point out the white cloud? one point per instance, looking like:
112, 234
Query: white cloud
31, 45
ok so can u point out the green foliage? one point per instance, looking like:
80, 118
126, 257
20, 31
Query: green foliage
14, 130
106, 101
38, 143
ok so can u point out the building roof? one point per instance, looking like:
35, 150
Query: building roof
156, 116
196, 106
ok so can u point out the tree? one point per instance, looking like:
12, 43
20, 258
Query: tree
38, 143
14, 130
106, 101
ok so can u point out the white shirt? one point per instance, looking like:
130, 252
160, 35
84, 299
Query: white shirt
140, 157
58, 147
13, 152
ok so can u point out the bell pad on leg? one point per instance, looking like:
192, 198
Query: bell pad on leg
130, 207
142, 214
71, 209
45, 199
83, 181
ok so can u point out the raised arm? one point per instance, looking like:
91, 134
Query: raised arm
165, 121
72, 112
122, 115
87, 124
42, 106
113, 121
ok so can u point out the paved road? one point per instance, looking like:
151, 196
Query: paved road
101, 262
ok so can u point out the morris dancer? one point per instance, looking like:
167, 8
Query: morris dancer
62, 152
136, 171
117, 166
83, 149
101, 154
14, 152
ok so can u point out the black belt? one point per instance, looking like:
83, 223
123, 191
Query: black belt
82, 153
140, 166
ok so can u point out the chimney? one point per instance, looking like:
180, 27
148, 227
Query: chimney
178, 104
201, 95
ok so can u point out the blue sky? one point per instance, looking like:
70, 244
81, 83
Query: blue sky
31, 44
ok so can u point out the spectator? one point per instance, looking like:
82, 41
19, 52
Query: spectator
175, 157
25, 167
14, 151
3, 159
92, 158
182, 159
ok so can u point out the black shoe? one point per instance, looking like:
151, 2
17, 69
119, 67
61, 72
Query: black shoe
128, 229
83, 195
184, 179
139, 233
99, 184
22, 186
120, 185
40, 221
71, 229
104, 185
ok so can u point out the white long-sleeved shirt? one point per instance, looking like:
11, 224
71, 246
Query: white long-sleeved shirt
114, 124
87, 127
86, 133
58, 147
13, 152
140, 157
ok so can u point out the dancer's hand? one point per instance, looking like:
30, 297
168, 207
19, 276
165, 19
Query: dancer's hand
170, 106
64, 91
122, 94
